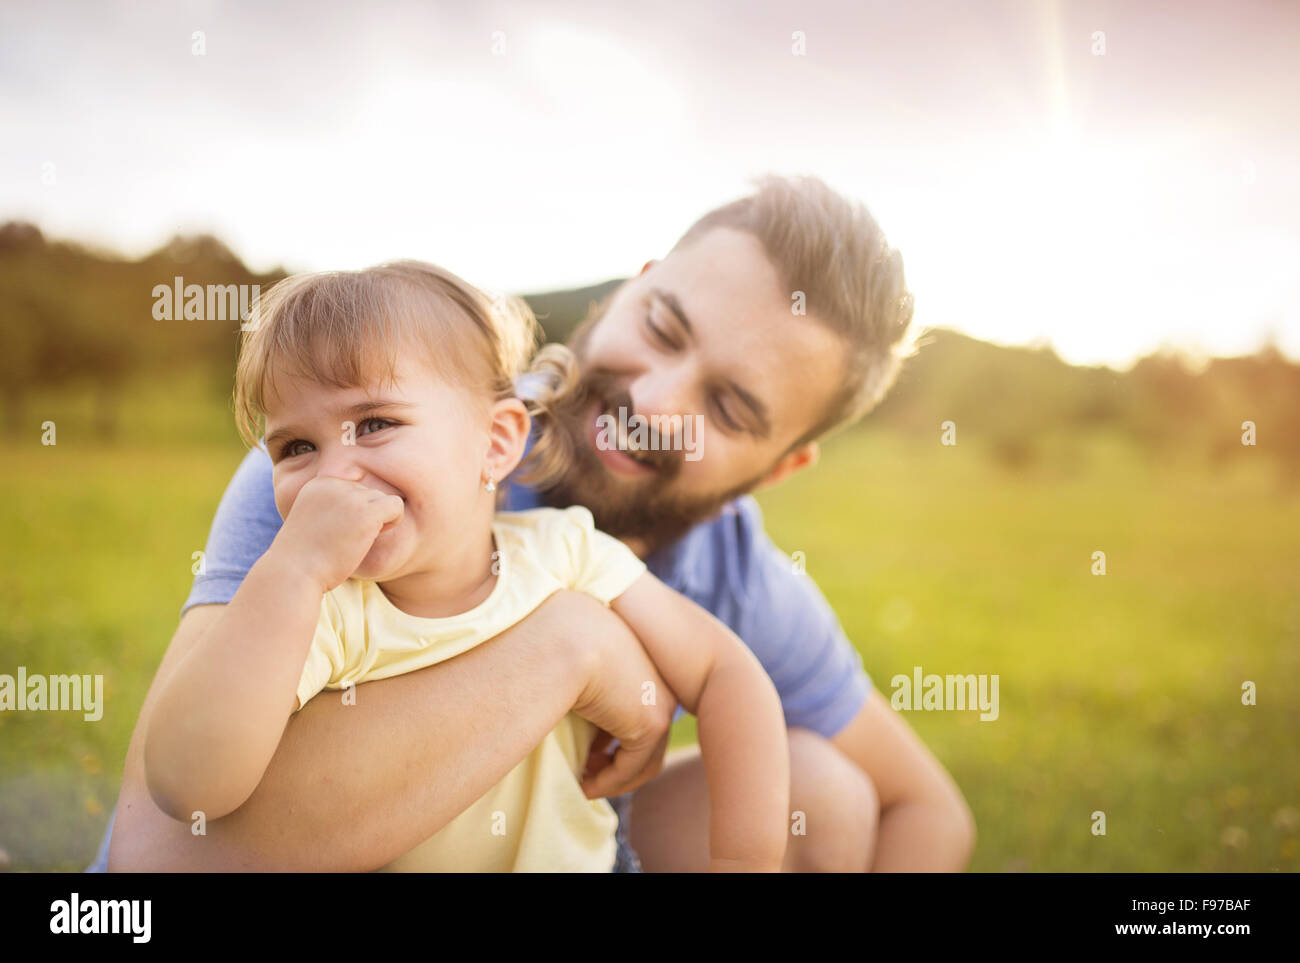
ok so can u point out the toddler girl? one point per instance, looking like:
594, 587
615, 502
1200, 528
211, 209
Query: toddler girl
387, 405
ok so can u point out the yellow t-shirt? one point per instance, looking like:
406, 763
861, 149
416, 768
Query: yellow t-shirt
536, 819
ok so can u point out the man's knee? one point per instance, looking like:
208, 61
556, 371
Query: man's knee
835, 811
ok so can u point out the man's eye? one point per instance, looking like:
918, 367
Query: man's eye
723, 415
660, 335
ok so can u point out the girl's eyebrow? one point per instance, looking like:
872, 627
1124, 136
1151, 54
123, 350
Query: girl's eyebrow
365, 407
359, 410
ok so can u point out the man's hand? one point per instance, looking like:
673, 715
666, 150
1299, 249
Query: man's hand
617, 673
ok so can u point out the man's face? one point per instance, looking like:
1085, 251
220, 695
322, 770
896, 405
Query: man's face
707, 334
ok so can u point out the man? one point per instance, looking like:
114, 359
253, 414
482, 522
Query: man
774, 320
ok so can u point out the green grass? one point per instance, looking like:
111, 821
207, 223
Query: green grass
97, 547
1119, 693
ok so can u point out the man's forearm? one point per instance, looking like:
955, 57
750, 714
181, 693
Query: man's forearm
925, 823
351, 787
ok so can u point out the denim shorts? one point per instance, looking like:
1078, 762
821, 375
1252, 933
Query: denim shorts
626, 861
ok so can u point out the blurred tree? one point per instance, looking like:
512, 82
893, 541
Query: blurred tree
69, 314
74, 315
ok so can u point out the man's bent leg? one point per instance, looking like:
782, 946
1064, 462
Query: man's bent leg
835, 834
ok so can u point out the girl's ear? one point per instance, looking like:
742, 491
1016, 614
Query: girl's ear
507, 437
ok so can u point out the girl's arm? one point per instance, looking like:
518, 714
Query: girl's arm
220, 716
741, 722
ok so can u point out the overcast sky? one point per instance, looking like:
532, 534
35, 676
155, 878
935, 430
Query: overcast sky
1041, 187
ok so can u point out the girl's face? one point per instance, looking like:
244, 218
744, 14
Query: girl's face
425, 440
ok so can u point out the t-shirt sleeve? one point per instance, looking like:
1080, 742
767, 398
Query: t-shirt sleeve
777, 609
326, 657
242, 530
598, 564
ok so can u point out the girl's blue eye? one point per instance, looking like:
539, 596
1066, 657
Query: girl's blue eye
382, 422
292, 449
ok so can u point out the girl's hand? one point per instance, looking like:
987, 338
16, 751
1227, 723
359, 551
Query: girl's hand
331, 527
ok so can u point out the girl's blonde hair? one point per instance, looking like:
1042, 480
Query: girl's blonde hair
348, 329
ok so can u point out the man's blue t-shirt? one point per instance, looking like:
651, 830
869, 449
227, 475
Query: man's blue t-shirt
728, 565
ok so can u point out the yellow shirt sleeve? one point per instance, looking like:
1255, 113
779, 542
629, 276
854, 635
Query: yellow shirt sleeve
326, 657
598, 564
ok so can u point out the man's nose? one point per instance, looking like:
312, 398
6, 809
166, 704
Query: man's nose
662, 394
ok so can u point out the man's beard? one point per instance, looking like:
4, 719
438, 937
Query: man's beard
643, 507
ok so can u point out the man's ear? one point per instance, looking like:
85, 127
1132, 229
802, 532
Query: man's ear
507, 437
805, 456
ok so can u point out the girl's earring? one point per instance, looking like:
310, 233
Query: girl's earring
491, 485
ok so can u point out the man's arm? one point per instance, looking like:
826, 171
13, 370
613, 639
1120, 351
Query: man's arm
352, 787
925, 823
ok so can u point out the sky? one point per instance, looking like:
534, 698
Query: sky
1108, 178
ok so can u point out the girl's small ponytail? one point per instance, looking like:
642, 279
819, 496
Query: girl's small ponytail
551, 383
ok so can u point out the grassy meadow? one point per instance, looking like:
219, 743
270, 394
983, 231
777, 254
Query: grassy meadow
1119, 693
